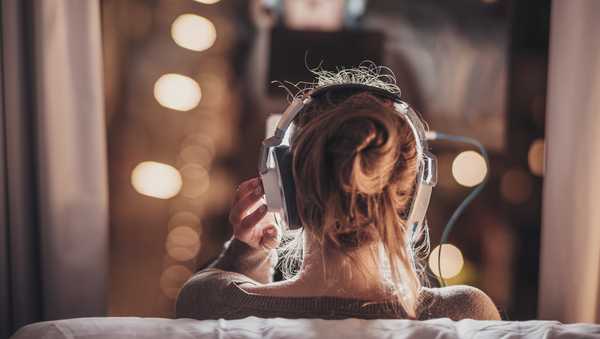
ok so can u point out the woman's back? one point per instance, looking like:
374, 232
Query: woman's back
217, 292
214, 294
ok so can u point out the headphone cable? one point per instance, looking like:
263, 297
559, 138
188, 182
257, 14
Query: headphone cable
468, 199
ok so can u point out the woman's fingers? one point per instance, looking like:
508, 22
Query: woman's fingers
245, 187
244, 224
239, 209
252, 219
271, 238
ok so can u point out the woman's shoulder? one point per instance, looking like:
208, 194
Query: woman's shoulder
457, 302
204, 295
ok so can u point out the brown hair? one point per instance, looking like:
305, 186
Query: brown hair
354, 167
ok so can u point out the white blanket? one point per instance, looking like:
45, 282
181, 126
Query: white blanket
252, 327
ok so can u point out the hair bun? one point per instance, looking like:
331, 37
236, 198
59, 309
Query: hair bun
364, 151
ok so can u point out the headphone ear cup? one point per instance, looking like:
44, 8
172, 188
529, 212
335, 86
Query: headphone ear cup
284, 159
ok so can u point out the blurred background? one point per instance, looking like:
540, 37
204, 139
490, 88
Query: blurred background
188, 89
126, 125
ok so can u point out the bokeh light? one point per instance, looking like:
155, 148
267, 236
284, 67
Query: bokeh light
183, 243
156, 180
178, 92
535, 157
196, 154
193, 32
172, 279
469, 168
195, 180
199, 139
516, 186
452, 261
182, 204
184, 218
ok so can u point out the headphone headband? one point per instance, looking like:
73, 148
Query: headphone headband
317, 92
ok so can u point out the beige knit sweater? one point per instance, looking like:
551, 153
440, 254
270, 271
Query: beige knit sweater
214, 293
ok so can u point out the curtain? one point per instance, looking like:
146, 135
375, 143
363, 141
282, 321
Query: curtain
53, 172
570, 256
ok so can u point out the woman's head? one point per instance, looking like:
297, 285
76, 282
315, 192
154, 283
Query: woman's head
355, 167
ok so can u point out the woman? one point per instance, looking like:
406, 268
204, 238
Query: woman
354, 169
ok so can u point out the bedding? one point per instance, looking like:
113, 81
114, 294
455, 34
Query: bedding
252, 327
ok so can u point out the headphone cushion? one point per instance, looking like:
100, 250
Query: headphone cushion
284, 159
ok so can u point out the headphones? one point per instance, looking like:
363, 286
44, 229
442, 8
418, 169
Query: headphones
275, 160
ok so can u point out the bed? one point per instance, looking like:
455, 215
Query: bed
252, 327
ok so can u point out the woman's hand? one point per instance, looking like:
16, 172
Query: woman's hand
246, 226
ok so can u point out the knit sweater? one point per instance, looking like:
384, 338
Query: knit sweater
215, 292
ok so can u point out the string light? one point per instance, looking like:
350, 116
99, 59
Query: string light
193, 32
196, 154
184, 218
469, 168
183, 243
199, 139
177, 92
535, 157
196, 180
156, 180
452, 261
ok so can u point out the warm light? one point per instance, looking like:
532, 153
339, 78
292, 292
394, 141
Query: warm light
178, 92
199, 139
516, 186
193, 32
452, 261
535, 157
183, 243
156, 180
195, 180
207, 2
184, 218
469, 168
172, 279
196, 154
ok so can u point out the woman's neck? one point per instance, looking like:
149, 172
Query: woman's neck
353, 275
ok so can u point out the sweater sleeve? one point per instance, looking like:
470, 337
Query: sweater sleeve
460, 302
238, 257
204, 295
